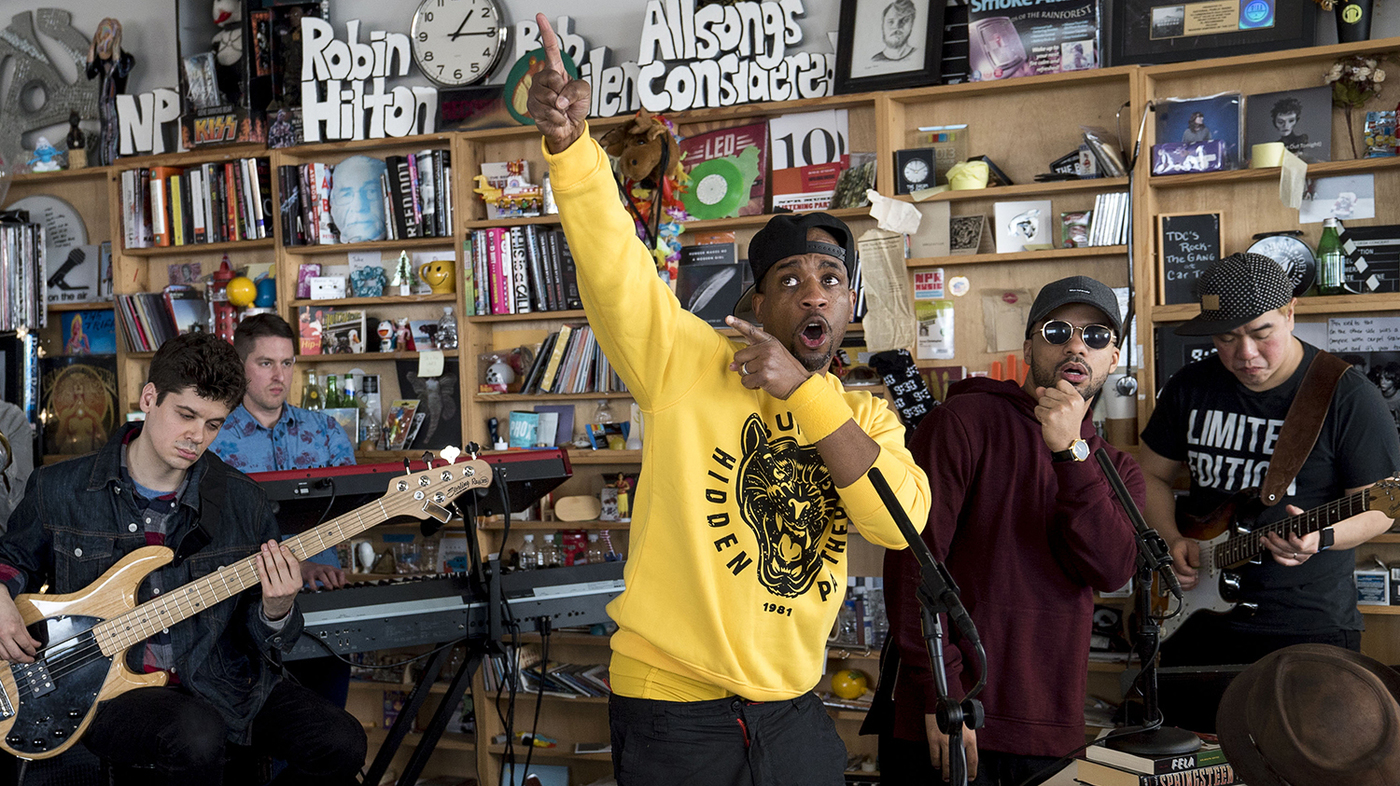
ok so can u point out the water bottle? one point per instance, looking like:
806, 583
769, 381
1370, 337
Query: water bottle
1330, 260
875, 607
553, 555
447, 330
528, 557
594, 554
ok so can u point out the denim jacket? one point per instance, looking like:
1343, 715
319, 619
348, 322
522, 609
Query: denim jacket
78, 518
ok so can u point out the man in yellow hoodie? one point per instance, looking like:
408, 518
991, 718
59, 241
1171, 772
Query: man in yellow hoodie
754, 468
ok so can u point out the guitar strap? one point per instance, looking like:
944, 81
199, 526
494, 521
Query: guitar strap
211, 505
1302, 424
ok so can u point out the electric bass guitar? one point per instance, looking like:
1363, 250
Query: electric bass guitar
1225, 547
45, 706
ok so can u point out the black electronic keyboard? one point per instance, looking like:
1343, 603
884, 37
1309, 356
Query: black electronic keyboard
434, 609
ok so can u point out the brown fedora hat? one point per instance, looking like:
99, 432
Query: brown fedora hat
1313, 715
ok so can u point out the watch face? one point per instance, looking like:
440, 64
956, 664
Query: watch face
457, 42
916, 171
1293, 255
1079, 449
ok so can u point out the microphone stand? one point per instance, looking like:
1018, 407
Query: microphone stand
1153, 739
938, 594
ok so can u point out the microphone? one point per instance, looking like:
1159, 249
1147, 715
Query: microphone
936, 577
1153, 549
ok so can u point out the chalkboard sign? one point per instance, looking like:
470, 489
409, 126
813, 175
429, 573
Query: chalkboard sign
1187, 245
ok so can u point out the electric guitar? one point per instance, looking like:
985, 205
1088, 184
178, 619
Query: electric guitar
1224, 547
45, 706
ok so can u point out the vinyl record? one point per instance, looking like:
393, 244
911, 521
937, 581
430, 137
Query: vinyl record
1293, 255
716, 189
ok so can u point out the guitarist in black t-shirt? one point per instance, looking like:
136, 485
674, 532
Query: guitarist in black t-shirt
1224, 428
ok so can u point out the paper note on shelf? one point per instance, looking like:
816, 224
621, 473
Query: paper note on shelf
430, 363
1292, 177
893, 215
1363, 334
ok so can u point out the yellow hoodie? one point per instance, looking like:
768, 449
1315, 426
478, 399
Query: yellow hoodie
737, 564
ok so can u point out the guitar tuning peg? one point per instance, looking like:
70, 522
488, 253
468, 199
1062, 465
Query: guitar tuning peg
473, 450
450, 454
428, 459
407, 467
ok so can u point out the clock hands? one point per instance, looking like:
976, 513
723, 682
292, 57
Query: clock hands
458, 32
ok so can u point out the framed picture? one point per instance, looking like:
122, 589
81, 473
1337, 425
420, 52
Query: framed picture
1300, 119
1205, 119
1170, 31
886, 44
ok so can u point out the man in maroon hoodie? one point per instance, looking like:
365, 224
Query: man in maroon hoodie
1028, 528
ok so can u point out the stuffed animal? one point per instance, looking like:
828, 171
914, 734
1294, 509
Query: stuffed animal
649, 163
643, 147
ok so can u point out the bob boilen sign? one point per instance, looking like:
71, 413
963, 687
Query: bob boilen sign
716, 56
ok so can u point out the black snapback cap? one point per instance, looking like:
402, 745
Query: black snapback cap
1236, 291
1076, 289
785, 236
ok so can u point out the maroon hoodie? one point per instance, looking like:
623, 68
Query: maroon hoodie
1027, 540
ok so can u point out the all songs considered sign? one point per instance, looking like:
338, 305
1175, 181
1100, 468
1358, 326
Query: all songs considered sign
1009, 38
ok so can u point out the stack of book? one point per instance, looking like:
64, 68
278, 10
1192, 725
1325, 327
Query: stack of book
414, 189
569, 361
1103, 766
22, 264
523, 269
1109, 221
218, 202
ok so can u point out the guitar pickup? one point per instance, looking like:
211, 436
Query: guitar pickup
34, 676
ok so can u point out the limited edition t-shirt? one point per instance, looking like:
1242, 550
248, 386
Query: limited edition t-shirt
1227, 433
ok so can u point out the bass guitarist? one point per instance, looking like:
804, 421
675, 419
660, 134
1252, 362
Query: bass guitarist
154, 484
1221, 418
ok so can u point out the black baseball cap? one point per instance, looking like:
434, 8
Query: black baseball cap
1075, 289
785, 236
1236, 291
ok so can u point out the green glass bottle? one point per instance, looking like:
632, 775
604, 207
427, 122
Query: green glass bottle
1330, 260
332, 393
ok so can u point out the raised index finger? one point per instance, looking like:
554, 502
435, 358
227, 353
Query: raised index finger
753, 333
551, 45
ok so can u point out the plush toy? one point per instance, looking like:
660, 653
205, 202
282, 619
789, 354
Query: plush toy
648, 161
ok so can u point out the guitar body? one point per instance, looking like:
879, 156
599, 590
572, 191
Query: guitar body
47, 705
1217, 587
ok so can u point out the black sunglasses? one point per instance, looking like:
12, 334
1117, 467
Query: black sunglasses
1058, 331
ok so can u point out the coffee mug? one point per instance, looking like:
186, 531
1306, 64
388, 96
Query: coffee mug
438, 275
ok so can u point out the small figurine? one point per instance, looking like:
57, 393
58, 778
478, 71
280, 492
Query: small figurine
77, 142
108, 63
45, 158
405, 336
386, 336
403, 276
282, 133
228, 48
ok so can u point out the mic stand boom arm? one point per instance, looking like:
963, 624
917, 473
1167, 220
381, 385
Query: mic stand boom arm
938, 594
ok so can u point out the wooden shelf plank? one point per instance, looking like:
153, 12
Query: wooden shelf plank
563, 750
1027, 190
605, 456
1386, 537
1046, 255
544, 398
487, 223
1212, 179
916, 95
86, 173
1324, 304
320, 151
1382, 610
385, 300
199, 248
533, 315
373, 245
99, 305
202, 156
368, 357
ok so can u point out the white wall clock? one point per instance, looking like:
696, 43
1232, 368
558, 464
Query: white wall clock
458, 42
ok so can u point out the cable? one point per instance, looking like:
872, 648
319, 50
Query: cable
394, 665
544, 627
